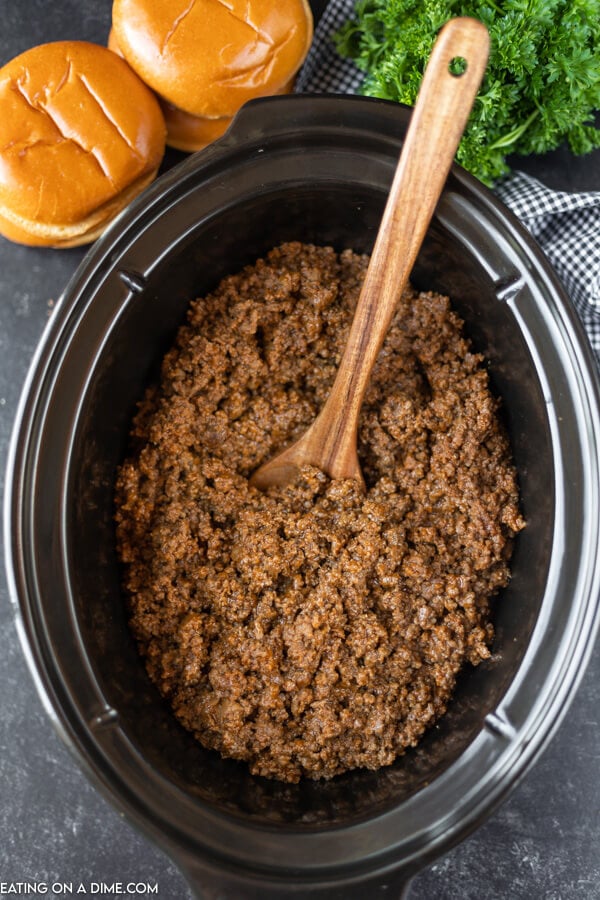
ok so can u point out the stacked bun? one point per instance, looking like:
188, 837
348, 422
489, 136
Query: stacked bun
80, 136
206, 58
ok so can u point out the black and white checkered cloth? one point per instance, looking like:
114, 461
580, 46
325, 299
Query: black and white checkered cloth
566, 225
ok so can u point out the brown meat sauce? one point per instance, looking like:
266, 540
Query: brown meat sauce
313, 629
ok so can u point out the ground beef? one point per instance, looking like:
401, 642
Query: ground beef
313, 629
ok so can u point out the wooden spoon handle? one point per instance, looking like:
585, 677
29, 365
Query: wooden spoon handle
437, 123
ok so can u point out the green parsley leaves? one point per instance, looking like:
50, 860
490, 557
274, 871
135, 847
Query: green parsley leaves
542, 84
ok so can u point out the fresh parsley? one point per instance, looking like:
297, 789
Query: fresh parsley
541, 88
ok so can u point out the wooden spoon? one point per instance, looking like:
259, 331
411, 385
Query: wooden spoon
435, 129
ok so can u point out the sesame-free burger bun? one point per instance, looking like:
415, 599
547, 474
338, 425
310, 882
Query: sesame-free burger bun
80, 137
184, 131
206, 57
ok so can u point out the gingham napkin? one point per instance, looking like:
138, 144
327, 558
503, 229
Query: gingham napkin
566, 225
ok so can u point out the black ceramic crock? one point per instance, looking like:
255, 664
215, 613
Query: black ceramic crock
313, 169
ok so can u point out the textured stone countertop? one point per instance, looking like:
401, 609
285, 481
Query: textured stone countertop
543, 842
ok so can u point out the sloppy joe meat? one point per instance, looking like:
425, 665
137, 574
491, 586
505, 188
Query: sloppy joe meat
313, 629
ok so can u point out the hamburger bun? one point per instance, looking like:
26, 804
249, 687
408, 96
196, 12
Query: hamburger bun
184, 131
208, 58
80, 137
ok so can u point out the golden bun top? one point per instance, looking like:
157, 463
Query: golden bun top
77, 128
208, 57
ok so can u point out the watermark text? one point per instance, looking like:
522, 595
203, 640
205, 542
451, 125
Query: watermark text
82, 888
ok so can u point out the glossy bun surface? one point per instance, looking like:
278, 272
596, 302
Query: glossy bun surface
208, 57
80, 135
